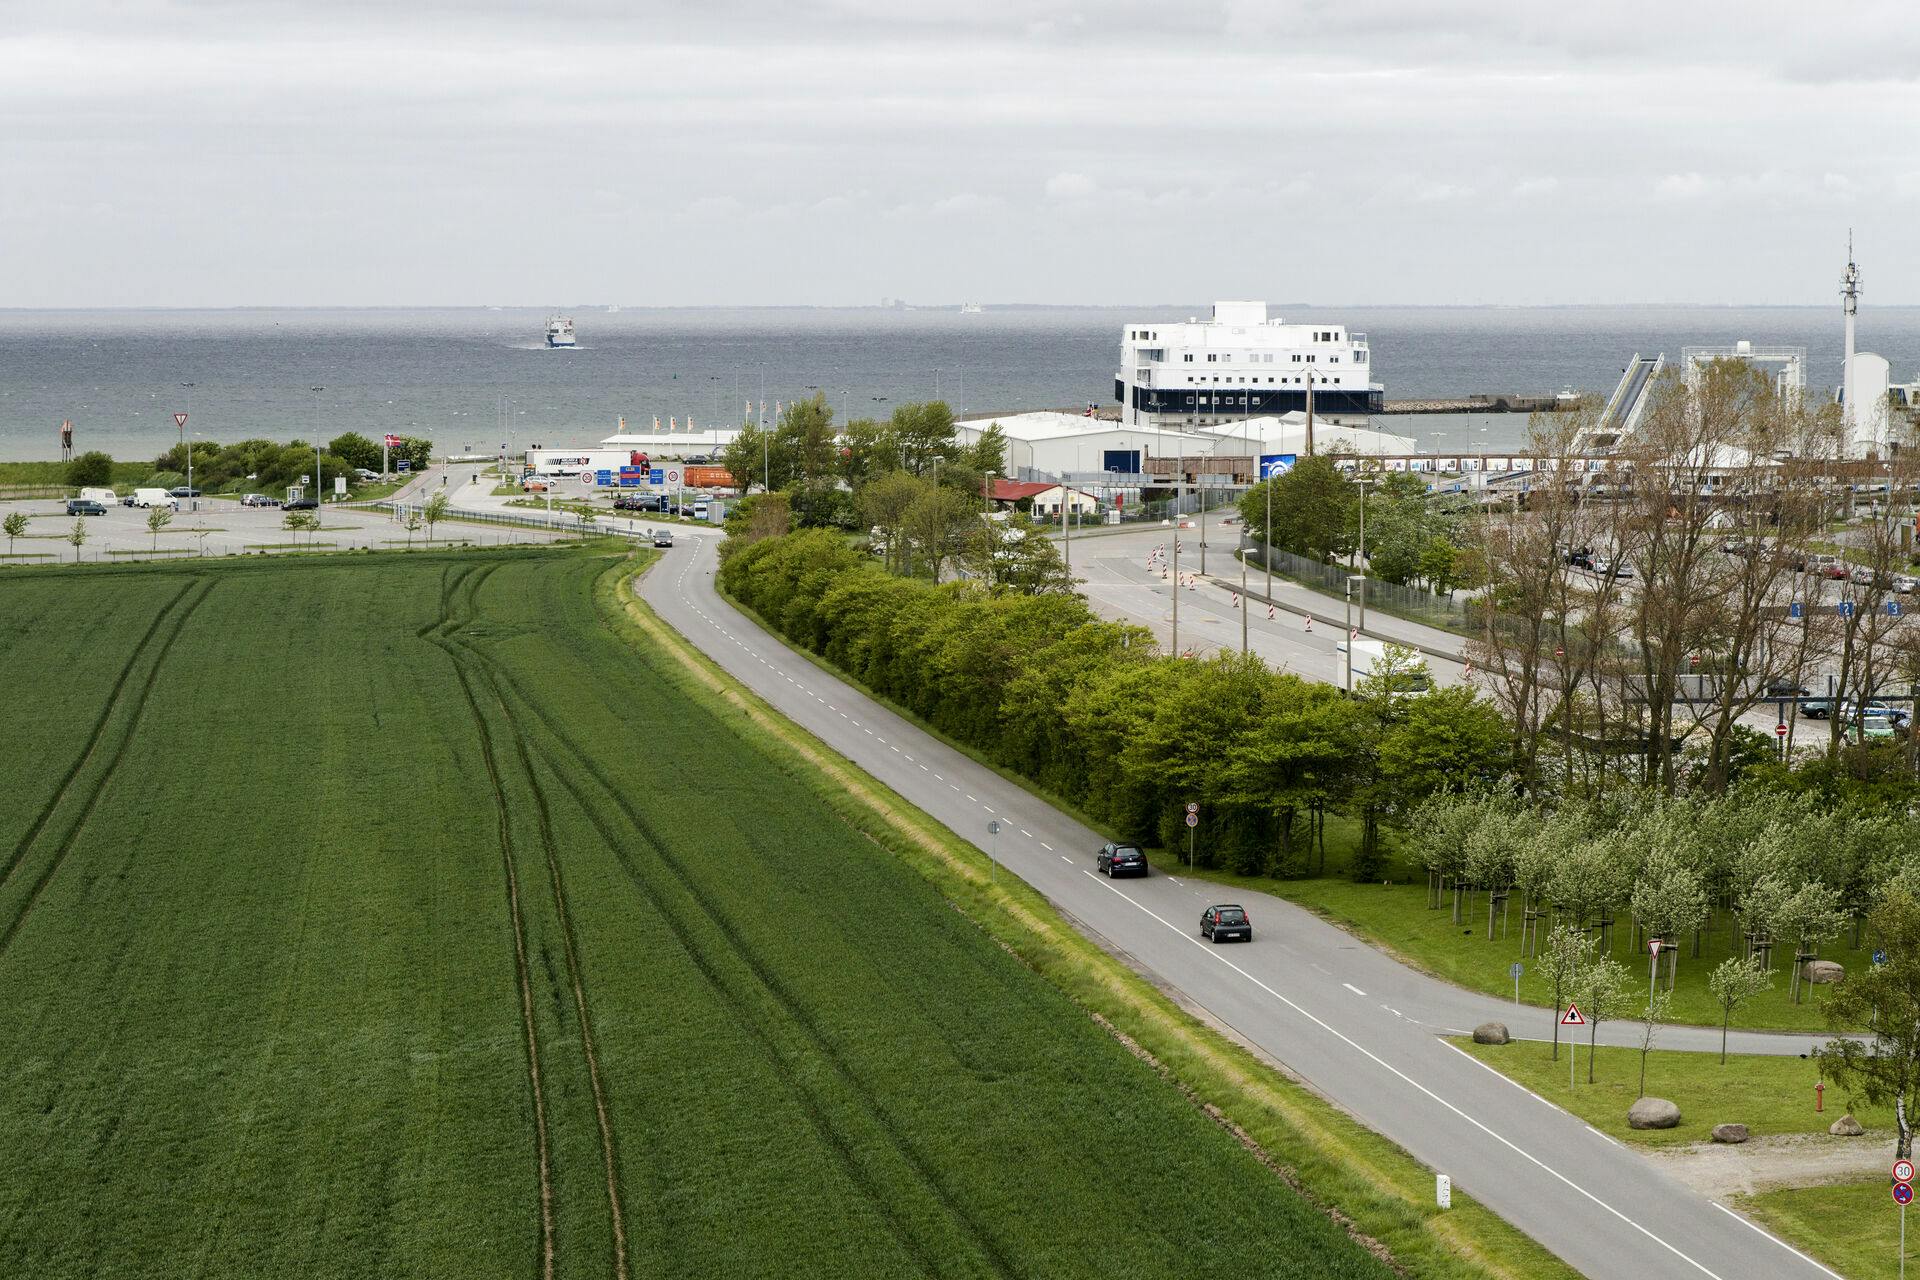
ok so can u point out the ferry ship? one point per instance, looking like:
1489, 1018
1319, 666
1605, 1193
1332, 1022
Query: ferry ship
560, 332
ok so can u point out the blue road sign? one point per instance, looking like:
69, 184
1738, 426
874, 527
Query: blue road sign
1879, 957
1893, 608
603, 477
1516, 969
1844, 608
403, 465
1902, 1195
657, 475
1795, 611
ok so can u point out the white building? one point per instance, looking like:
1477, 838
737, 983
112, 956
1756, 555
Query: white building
1063, 444
1287, 433
1784, 367
1240, 364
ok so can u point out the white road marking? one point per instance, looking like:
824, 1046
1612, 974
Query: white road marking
1596, 1133
1064, 858
987, 807
1028, 834
1484, 1066
1349, 986
967, 795
1046, 846
1504, 1141
1172, 878
1776, 1239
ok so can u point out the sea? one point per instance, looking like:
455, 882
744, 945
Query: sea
474, 379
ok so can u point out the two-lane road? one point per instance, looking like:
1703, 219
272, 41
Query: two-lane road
1355, 1024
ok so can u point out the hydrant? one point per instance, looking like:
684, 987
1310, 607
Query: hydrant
1820, 1096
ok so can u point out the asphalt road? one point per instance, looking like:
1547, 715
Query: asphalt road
1359, 1027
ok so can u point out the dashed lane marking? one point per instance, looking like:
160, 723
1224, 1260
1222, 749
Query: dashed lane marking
1349, 986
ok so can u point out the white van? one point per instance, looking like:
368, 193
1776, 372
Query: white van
105, 497
155, 498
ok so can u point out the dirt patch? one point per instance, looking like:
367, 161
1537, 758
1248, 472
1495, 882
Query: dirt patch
1783, 1160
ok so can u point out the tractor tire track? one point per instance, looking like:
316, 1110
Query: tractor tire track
520, 971
137, 709
454, 592
784, 1000
570, 945
93, 738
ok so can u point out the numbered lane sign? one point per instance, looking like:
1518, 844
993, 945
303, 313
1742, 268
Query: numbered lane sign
1903, 1171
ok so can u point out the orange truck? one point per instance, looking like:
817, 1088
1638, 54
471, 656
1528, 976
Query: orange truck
708, 478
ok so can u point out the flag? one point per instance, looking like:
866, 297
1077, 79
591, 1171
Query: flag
392, 441
656, 424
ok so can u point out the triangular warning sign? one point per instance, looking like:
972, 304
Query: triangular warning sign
1573, 1017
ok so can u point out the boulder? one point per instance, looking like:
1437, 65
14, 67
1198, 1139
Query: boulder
1845, 1127
1653, 1113
1730, 1133
1491, 1033
1823, 971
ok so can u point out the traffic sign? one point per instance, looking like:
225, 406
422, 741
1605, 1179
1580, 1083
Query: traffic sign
993, 826
656, 475
586, 478
1893, 608
403, 465
1193, 806
1653, 946
1515, 969
673, 475
179, 419
1795, 611
1879, 957
1844, 608
1780, 730
1193, 819
1903, 1171
1902, 1194
1573, 1017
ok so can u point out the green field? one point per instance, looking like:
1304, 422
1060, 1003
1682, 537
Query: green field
398, 917
1853, 1227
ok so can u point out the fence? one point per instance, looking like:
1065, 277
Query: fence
1410, 603
556, 523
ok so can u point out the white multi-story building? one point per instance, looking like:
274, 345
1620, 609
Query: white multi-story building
1240, 364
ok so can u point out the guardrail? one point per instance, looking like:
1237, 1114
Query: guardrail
556, 523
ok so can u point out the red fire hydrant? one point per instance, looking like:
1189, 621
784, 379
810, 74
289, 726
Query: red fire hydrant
1820, 1096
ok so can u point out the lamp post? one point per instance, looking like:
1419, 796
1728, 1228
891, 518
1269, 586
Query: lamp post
1362, 578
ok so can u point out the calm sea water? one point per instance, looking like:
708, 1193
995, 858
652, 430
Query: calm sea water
481, 377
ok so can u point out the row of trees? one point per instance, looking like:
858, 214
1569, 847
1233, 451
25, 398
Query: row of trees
1317, 508
1783, 873
1091, 711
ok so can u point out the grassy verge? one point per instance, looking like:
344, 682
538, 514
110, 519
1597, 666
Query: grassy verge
1768, 1094
1866, 1248
1355, 1175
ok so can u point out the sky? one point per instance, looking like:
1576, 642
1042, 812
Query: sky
834, 152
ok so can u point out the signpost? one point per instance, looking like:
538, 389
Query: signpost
1879, 957
993, 829
1572, 1018
1514, 972
1193, 820
1903, 1196
1653, 967
388, 442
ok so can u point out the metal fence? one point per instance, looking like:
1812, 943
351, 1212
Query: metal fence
1410, 603
558, 522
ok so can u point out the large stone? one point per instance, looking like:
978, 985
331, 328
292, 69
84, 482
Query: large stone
1653, 1113
1491, 1033
1845, 1127
1730, 1133
1823, 971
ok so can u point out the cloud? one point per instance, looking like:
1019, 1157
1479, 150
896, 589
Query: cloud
1071, 186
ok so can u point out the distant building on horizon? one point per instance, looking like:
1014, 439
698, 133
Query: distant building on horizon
1241, 364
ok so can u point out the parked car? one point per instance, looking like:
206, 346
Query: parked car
258, 500
632, 502
1904, 583
302, 504
663, 537
1870, 728
85, 507
1580, 558
365, 476
534, 486
183, 491
1817, 708
1787, 689
1121, 860
1227, 920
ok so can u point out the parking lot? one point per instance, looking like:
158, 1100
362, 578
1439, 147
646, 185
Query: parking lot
222, 527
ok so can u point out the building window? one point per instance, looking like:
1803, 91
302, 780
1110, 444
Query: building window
1211, 357
1188, 357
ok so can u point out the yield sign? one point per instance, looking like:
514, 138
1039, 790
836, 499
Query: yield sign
1573, 1017
179, 419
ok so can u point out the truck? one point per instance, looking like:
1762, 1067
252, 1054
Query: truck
153, 498
1402, 670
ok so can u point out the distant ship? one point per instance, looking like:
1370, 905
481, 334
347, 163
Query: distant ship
560, 332
970, 308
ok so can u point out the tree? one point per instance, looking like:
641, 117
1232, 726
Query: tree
1601, 990
355, 450
1314, 507
989, 453
90, 468
884, 504
918, 432
14, 525
1734, 980
78, 536
411, 524
587, 520
1562, 962
158, 518
936, 523
757, 517
1668, 900
435, 511
1659, 1003
1884, 1066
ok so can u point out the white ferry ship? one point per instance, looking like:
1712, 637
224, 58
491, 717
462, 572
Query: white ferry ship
560, 332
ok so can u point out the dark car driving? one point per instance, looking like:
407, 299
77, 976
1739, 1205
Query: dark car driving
85, 507
1121, 860
1226, 921
301, 504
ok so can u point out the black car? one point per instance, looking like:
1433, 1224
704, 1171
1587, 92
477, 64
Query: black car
1121, 860
1580, 558
301, 504
1787, 689
85, 507
663, 537
183, 491
1226, 921
632, 502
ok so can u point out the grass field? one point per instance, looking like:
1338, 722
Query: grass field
1853, 1227
1769, 1095
396, 916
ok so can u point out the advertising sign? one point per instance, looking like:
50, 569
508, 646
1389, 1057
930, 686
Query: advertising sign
1276, 464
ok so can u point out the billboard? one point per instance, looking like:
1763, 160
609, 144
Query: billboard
1276, 464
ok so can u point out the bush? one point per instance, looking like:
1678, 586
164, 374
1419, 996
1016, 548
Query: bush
91, 468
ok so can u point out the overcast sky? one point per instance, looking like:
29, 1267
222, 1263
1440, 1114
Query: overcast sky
323, 152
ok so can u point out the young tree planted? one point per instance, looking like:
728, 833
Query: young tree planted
435, 511
1601, 989
157, 519
1732, 982
14, 525
1876, 1056
78, 537
1658, 1007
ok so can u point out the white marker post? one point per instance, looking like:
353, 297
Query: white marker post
1443, 1191
993, 858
